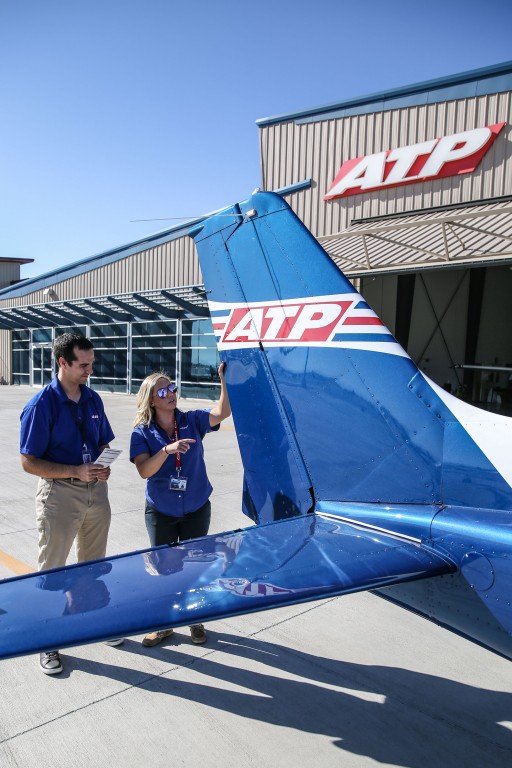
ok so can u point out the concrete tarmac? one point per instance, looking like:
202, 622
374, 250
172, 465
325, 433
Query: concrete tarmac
348, 682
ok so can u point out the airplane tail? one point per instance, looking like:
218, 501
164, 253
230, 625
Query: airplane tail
327, 405
363, 473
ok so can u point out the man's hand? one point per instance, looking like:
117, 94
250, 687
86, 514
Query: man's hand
88, 473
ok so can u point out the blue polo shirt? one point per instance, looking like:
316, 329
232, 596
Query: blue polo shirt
54, 428
150, 439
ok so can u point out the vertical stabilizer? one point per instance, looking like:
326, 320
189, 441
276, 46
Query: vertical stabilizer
324, 398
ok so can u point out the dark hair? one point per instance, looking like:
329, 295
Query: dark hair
64, 346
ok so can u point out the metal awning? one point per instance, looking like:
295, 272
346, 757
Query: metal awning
153, 305
468, 236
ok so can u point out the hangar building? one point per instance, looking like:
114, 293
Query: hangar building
409, 191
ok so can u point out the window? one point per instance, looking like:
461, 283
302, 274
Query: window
154, 348
199, 360
110, 367
40, 335
20, 357
143, 347
69, 329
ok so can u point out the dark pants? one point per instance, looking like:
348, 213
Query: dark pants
163, 529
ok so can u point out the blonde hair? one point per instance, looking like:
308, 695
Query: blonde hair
145, 411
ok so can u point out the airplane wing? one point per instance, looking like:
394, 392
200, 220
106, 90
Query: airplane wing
260, 567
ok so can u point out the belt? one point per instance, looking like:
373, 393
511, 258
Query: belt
72, 480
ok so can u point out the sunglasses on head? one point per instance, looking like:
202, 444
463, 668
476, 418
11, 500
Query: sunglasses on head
164, 390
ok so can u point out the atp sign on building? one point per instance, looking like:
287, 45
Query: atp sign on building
434, 159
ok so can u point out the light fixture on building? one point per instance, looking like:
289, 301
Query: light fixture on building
49, 293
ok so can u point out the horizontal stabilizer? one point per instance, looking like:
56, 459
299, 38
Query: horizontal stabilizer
289, 561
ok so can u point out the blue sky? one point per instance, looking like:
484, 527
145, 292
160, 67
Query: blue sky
114, 110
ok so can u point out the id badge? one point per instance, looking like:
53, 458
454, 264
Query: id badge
178, 483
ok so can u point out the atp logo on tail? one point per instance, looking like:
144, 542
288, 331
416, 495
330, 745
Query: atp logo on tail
327, 321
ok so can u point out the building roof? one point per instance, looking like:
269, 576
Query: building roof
476, 82
48, 279
9, 260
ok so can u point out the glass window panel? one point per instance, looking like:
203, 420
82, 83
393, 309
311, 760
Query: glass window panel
113, 329
108, 384
197, 326
20, 362
199, 364
20, 336
198, 333
153, 341
42, 334
47, 357
18, 378
112, 362
36, 357
70, 329
146, 361
110, 343
47, 376
200, 391
162, 328
200, 341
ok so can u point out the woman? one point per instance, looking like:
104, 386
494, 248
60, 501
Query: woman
167, 449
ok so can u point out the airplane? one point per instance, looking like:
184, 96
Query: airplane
359, 472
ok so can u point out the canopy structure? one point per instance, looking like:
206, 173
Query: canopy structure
152, 305
466, 236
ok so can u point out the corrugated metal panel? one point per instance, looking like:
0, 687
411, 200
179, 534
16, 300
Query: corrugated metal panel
171, 264
9, 273
5, 357
318, 149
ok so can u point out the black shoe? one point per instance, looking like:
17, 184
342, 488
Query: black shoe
50, 662
198, 634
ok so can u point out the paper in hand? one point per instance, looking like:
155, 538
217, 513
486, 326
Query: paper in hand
107, 457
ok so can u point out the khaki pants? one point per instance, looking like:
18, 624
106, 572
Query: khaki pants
67, 510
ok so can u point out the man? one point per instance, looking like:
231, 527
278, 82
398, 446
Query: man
63, 431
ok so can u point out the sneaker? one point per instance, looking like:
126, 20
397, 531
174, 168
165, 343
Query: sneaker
119, 641
50, 663
198, 634
156, 637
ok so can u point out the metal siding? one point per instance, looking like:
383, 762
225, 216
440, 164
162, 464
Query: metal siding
9, 273
291, 151
5, 357
168, 265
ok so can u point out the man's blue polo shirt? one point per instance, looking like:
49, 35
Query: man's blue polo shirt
54, 428
150, 439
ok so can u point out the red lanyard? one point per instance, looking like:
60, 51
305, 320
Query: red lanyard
177, 454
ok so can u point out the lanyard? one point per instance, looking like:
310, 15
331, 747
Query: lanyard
79, 423
177, 454
176, 438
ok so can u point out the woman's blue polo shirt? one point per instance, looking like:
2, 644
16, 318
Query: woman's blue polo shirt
54, 428
151, 438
